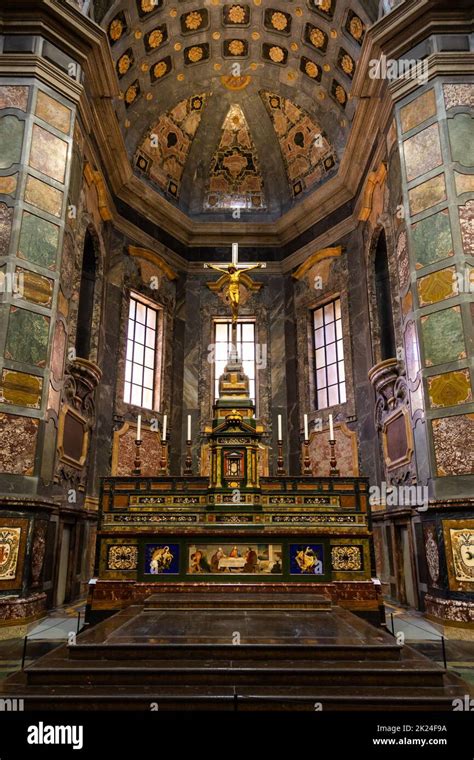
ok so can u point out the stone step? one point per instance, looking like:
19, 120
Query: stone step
203, 601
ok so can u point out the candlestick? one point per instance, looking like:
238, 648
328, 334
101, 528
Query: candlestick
306, 460
164, 458
165, 424
188, 465
139, 428
235, 253
280, 468
280, 434
189, 428
333, 470
331, 428
137, 470
306, 434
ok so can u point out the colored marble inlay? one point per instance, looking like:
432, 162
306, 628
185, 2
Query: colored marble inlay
437, 286
38, 240
418, 111
13, 96
403, 262
431, 239
427, 194
27, 337
43, 196
48, 153
308, 155
443, 336
53, 112
8, 185
466, 220
20, 389
6, 216
450, 436
11, 140
458, 95
464, 183
450, 389
461, 137
422, 152
35, 287
18, 436
412, 353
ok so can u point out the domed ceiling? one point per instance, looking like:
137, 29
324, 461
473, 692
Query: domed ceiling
235, 110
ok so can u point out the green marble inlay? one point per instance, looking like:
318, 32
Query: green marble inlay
461, 136
27, 337
11, 140
443, 337
38, 240
431, 239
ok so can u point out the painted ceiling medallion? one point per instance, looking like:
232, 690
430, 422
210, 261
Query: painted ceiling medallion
156, 37
193, 20
160, 69
276, 54
236, 47
316, 37
339, 93
132, 93
196, 53
346, 62
277, 21
236, 83
236, 14
311, 69
148, 6
355, 26
117, 27
125, 62
326, 7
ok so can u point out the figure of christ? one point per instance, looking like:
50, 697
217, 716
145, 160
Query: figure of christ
233, 278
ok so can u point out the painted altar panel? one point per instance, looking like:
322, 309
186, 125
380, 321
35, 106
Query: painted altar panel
235, 559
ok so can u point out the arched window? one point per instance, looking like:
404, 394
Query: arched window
86, 299
384, 301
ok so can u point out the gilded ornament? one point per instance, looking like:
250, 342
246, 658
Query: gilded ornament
276, 54
131, 94
160, 70
195, 54
317, 37
347, 64
356, 27
311, 69
236, 47
193, 20
155, 38
124, 64
237, 14
340, 93
325, 5
116, 29
148, 5
279, 21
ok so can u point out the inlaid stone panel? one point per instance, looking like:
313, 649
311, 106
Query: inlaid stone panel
450, 389
43, 196
38, 240
27, 337
431, 239
418, 111
11, 140
422, 152
461, 138
443, 336
18, 449
466, 220
48, 153
53, 112
14, 96
437, 286
8, 185
450, 436
20, 389
464, 183
458, 95
6, 217
427, 194
35, 287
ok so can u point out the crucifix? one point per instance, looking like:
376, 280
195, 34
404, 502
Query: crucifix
232, 273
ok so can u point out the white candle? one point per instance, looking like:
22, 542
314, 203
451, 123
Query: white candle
189, 428
306, 434
235, 253
280, 436
165, 423
139, 428
331, 428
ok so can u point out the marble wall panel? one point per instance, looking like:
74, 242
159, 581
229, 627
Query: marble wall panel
412, 352
14, 96
461, 138
27, 337
43, 196
422, 152
11, 140
53, 112
6, 217
437, 286
466, 220
35, 288
418, 111
38, 240
48, 153
18, 449
57, 352
346, 451
431, 239
8, 185
464, 183
403, 261
443, 336
458, 95
125, 450
450, 435
427, 194
20, 389
450, 388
